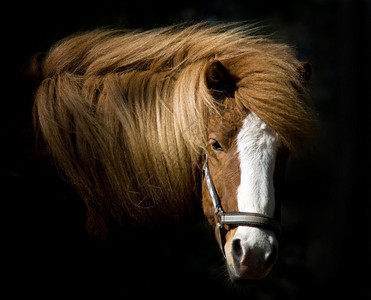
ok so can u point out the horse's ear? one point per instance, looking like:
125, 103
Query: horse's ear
219, 81
32, 70
305, 70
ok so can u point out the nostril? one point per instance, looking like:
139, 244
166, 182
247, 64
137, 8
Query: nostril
272, 256
237, 250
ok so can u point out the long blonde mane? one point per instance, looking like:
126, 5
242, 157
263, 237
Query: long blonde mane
125, 113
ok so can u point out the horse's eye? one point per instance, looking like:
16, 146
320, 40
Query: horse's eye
217, 147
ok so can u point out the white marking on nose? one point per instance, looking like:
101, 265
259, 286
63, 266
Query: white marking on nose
257, 146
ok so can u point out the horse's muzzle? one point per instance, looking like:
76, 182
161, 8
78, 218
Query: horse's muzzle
251, 254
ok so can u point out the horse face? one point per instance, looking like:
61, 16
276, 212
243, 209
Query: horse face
242, 153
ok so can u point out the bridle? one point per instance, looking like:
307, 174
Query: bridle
235, 218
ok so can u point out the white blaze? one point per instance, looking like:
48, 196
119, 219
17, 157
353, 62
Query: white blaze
257, 146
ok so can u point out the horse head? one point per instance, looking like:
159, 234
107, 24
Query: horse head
245, 110
243, 171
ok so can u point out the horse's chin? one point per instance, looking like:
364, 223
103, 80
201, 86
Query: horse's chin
246, 282
247, 278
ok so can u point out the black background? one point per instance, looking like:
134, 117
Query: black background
325, 248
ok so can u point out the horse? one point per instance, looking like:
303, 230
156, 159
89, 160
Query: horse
149, 126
